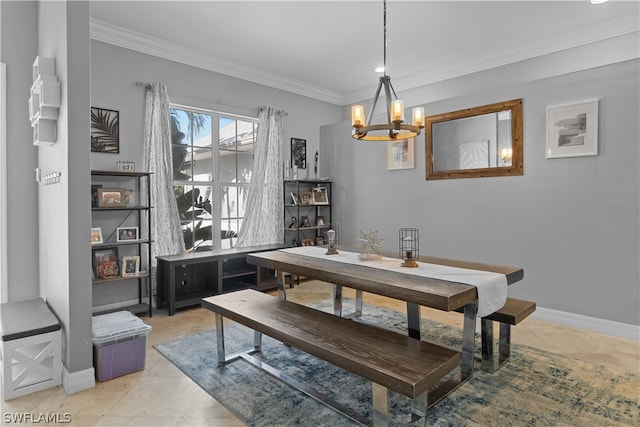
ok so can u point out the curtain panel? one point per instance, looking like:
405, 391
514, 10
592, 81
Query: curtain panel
263, 222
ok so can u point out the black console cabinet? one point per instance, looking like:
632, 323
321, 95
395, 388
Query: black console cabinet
183, 280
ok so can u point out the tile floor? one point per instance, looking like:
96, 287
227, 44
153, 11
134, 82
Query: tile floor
161, 395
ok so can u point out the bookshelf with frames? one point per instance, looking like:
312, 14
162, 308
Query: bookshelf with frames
307, 212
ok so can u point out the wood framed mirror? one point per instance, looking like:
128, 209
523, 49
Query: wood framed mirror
475, 142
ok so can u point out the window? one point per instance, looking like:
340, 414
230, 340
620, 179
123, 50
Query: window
212, 166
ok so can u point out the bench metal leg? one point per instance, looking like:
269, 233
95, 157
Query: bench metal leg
419, 408
490, 362
280, 280
381, 416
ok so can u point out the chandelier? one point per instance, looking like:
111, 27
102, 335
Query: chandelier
396, 129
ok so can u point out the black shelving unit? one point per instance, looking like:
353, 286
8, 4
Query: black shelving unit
304, 199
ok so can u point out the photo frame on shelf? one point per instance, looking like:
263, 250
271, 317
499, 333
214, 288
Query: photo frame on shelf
105, 263
299, 153
129, 197
305, 221
306, 198
400, 154
320, 196
319, 221
130, 266
307, 242
105, 131
127, 234
111, 198
572, 130
96, 236
94, 195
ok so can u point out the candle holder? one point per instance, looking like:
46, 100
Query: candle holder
409, 247
332, 241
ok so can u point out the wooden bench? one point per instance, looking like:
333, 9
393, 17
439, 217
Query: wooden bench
513, 312
390, 360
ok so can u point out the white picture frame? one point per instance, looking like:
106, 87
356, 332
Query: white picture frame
96, 236
130, 266
320, 196
127, 234
572, 130
401, 154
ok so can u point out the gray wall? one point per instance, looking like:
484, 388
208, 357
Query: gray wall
572, 223
114, 72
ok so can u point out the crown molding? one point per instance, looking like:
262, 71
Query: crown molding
128, 39
118, 36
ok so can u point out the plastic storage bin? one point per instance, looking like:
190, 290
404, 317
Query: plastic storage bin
119, 344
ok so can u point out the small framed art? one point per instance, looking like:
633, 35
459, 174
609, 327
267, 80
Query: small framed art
299, 153
126, 234
105, 263
130, 266
306, 198
111, 198
572, 130
96, 235
105, 131
400, 154
320, 196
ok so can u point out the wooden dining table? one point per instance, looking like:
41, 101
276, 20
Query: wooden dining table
400, 284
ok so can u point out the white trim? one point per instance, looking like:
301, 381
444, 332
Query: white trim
78, 381
594, 324
4, 275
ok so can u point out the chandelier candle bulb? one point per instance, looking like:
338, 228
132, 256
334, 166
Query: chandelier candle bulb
418, 116
357, 115
397, 111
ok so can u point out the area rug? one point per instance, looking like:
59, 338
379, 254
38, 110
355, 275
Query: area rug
536, 388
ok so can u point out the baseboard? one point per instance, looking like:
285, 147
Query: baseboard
594, 324
78, 381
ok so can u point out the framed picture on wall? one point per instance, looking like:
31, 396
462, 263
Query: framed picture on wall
572, 130
299, 153
105, 131
400, 154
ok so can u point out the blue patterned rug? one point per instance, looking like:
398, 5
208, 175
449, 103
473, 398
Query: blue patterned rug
535, 388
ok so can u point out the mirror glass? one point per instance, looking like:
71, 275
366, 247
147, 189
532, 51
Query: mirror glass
475, 142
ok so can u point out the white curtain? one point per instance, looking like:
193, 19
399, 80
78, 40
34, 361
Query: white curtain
263, 222
165, 221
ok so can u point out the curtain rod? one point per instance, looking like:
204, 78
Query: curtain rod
143, 83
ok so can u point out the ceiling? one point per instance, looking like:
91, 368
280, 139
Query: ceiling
328, 50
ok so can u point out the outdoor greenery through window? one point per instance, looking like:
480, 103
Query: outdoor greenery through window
212, 167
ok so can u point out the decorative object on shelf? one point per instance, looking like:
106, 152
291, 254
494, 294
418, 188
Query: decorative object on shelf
369, 244
409, 252
294, 199
94, 195
319, 241
294, 222
125, 166
306, 242
44, 101
298, 154
400, 154
319, 221
396, 128
305, 221
44, 176
110, 198
332, 241
572, 130
306, 198
96, 235
105, 263
320, 196
127, 234
130, 266
129, 197
105, 131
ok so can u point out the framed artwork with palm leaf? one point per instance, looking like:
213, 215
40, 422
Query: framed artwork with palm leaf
105, 131
299, 153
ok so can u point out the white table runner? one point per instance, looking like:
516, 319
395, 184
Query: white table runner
492, 287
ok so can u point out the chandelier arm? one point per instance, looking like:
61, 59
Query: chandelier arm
375, 101
387, 94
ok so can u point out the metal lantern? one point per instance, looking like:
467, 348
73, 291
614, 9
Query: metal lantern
409, 246
332, 241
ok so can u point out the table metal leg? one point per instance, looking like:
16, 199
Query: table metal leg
358, 312
413, 320
468, 340
220, 339
280, 280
